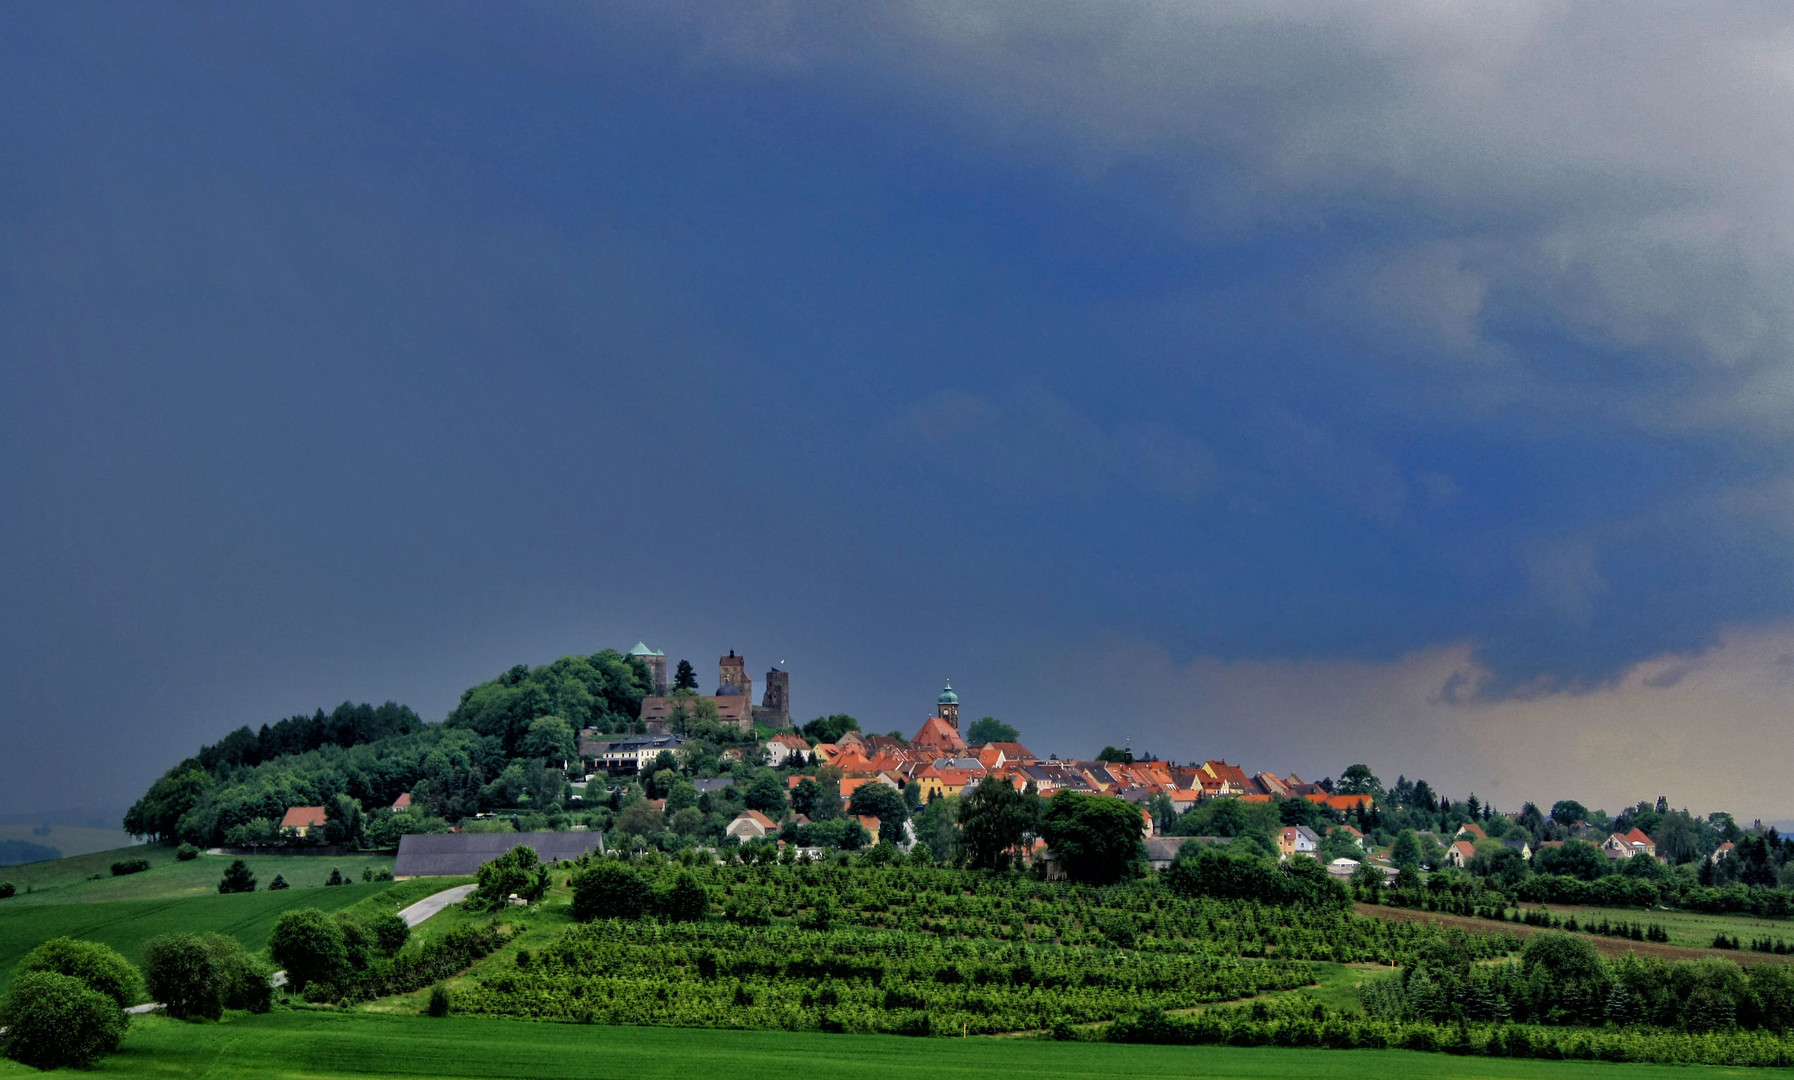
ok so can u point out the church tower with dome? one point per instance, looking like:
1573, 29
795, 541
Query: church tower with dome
948, 704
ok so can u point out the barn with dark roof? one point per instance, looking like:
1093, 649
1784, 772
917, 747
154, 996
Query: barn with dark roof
460, 854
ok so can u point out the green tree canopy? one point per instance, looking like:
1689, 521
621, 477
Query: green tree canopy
767, 795
51, 1021
1097, 840
1576, 858
1358, 780
684, 678
829, 729
995, 821
1110, 753
610, 890
99, 967
550, 738
989, 730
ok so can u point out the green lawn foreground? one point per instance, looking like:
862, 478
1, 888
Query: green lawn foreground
249, 917
328, 1046
71, 880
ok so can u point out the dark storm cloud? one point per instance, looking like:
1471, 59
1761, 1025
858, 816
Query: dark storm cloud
1355, 349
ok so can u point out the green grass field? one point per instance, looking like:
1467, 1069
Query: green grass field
71, 880
127, 924
337, 1046
1688, 928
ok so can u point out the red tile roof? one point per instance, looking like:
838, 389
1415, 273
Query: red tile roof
303, 817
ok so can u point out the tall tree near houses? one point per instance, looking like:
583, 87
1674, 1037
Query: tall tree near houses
684, 678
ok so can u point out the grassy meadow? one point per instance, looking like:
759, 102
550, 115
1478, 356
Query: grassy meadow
320, 1045
88, 878
1687, 928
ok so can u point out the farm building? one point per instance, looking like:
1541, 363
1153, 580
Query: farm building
460, 854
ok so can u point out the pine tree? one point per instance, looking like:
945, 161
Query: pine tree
685, 678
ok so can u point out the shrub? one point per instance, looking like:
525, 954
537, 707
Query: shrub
515, 873
685, 900
439, 1000
7, 890
310, 945
279, 882
95, 966
237, 878
336, 877
198, 976
610, 890
186, 853
52, 1021
130, 866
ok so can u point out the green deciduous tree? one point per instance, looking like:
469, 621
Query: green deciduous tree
995, 821
518, 872
989, 730
1096, 840
767, 795
828, 729
54, 1021
610, 890
310, 945
99, 967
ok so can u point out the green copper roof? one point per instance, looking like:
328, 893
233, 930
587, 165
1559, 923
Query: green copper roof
948, 697
641, 649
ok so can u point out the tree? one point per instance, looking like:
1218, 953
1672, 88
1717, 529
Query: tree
198, 976
1358, 780
684, 678
880, 800
1339, 844
49, 1021
685, 900
1575, 858
989, 730
1568, 812
767, 795
1405, 852
829, 729
309, 944
237, 878
1119, 757
98, 967
995, 821
640, 818
549, 738
342, 821
1096, 840
610, 890
518, 872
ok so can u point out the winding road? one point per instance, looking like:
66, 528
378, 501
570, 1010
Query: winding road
413, 915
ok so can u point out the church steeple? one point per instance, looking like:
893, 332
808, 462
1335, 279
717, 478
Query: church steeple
948, 703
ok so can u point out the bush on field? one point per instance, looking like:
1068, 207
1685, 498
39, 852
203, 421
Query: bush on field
186, 853
685, 900
1224, 875
237, 878
7, 890
610, 890
439, 1000
352, 958
98, 967
130, 866
517, 872
54, 1021
309, 944
198, 976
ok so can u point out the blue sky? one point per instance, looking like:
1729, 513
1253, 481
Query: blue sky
1300, 384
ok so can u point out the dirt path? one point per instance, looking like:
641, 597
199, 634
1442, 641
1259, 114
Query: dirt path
1606, 946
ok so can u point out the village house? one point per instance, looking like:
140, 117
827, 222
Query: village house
1298, 840
780, 747
628, 756
301, 820
1627, 844
1460, 853
751, 825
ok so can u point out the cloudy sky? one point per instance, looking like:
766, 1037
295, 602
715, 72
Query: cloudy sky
1297, 383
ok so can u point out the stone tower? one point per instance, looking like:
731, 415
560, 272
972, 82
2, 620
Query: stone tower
732, 677
948, 704
657, 665
778, 691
